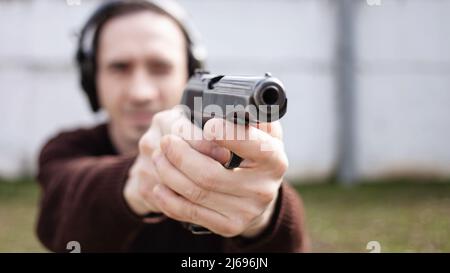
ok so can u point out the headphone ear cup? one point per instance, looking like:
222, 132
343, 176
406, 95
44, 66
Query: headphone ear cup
193, 63
87, 75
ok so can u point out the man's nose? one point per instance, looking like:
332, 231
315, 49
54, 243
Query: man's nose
142, 88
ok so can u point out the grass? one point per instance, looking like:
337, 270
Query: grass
401, 216
18, 209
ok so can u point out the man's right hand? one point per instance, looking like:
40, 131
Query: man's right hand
143, 176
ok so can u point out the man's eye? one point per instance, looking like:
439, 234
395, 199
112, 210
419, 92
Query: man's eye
119, 67
160, 69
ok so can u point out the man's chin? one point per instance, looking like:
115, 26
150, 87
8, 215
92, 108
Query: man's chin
137, 131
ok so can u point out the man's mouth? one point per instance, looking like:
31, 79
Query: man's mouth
140, 118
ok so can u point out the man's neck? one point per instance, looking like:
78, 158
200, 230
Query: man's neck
119, 142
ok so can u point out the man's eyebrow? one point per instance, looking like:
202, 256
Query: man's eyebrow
155, 61
118, 60
160, 61
118, 63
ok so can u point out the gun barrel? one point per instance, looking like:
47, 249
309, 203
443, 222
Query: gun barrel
240, 98
268, 96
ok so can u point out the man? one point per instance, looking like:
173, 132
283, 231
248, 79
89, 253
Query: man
132, 183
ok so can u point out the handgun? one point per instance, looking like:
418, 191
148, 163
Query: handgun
239, 99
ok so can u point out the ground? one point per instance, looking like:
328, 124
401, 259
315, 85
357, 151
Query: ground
401, 216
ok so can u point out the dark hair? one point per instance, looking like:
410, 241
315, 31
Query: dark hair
86, 58
132, 7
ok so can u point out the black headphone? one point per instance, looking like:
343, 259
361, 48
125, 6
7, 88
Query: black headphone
85, 55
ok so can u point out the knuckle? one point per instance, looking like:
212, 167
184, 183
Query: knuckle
197, 195
203, 146
193, 213
249, 213
143, 173
144, 145
170, 211
144, 190
161, 118
244, 219
265, 158
281, 166
238, 226
266, 155
158, 117
265, 194
230, 229
208, 180
173, 154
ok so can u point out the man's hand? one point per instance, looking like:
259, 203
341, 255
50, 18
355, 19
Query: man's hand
193, 187
143, 176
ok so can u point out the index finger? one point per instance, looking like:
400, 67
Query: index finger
257, 145
176, 122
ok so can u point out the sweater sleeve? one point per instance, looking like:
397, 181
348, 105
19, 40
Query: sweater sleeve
82, 198
286, 231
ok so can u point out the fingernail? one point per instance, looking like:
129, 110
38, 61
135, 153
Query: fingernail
208, 135
209, 131
219, 153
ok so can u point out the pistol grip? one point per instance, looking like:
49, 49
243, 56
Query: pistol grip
196, 229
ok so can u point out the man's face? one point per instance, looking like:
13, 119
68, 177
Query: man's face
141, 70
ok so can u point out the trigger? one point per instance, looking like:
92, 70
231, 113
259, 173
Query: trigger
234, 161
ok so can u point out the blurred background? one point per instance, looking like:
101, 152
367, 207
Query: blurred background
368, 125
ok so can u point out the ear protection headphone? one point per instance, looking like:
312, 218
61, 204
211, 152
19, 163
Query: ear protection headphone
86, 53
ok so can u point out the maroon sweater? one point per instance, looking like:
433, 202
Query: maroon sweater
82, 179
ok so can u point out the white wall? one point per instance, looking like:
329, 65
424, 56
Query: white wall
403, 83
403, 86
